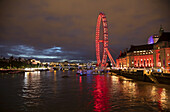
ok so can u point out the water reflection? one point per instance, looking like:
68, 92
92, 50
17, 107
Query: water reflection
55, 75
80, 79
130, 88
149, 95
48, 91
55, 82
159, 95
80, 84
31, 88
100, 93
115, 79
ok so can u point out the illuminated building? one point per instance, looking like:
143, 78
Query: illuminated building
35, 62
153, 39
155, 54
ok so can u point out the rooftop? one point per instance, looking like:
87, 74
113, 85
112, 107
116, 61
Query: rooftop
164, 37
141, 47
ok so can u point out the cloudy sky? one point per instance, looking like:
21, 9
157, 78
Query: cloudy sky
58, 30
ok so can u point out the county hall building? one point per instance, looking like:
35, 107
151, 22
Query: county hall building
155, 54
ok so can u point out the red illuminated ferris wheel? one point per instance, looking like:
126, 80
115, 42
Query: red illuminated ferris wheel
104, 41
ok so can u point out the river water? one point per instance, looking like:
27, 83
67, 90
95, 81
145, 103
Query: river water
51, 92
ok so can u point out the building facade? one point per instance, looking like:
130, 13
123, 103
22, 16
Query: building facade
155, 55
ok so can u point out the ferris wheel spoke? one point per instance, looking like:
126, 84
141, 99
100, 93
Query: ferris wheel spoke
102, 62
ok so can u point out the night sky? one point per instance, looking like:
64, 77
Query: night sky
59, 30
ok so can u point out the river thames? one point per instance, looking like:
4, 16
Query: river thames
51, 92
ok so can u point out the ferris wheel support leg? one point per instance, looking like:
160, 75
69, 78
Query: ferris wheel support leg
111, 59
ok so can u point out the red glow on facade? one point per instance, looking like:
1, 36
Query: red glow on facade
152, 56
143, 61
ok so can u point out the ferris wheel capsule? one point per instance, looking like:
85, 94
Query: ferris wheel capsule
104, 41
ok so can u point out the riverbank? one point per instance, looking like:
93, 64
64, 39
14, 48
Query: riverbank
140, 75
11, 71
17, 71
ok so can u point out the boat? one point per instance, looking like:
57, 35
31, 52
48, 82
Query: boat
79, 71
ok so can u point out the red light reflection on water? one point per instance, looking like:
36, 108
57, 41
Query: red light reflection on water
159, 100
100, 93
162, 99
80, 79
80, 83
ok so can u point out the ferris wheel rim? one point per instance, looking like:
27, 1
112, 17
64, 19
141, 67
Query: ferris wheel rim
101, 19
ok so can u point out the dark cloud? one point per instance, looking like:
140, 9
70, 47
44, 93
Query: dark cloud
49, 54
70, 25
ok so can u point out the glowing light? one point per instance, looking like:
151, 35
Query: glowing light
104, 41
33, 69
150, 40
